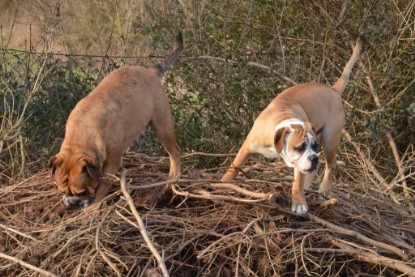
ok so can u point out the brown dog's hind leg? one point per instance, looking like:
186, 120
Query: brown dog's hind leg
163, 128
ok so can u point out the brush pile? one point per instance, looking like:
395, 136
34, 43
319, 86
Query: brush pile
200, 227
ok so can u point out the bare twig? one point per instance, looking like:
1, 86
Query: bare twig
388, 134
382, 182
400, 253
254, 64
17, 232
26, 265
142, 229
374, 258
263, 196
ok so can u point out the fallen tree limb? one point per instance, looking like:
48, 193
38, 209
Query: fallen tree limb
27, 265
141, 224
374, 258
338, 229
203, 194
383, 185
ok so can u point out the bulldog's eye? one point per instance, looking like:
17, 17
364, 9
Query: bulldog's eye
314, 146
301, 148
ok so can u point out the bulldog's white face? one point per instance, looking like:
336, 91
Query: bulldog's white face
298, 147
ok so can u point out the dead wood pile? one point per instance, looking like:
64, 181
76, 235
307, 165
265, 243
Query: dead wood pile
200, 227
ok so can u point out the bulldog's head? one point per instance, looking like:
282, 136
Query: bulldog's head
297, 145
77, 177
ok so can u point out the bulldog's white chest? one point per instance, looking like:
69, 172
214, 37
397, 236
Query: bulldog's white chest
267, 151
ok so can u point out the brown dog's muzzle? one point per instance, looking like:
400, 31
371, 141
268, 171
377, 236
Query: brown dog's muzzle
76, 202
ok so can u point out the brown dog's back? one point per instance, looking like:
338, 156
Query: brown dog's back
112, 108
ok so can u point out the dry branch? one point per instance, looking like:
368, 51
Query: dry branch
374, 258
254, 64
26, 265
142, 226
400, 253
388, 135
205, 228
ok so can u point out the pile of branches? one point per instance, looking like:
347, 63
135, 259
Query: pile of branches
197, 226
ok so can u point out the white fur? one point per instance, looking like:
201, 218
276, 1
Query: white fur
293, 159
288, 123
269, 152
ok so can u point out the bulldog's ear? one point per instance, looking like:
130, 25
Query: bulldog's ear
92, 168
279, 138
309, 128
54, 162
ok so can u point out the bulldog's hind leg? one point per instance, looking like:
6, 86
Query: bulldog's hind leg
240, 159
331, 141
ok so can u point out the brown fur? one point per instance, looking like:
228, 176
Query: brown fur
110, 119
319, 108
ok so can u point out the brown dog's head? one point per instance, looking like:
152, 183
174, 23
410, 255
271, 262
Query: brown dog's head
77, 177
297, 145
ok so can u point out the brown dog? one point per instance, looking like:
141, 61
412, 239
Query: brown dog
288, 127
109, 120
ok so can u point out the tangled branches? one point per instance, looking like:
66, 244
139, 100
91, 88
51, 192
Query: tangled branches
197, 225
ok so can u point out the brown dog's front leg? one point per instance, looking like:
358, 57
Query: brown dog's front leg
102, 191
299, 204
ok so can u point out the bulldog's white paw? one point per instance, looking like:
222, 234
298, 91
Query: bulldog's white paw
300, 209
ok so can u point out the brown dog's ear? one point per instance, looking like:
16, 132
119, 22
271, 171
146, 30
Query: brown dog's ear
93, 169
54, 162
279, 138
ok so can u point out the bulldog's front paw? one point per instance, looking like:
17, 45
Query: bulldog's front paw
299, 208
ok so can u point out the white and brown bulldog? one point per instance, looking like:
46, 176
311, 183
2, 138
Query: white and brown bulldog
288, 127
106, 122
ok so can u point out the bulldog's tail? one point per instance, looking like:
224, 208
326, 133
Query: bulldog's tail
340, 85
173, 56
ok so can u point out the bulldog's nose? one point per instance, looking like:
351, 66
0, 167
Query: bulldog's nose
313, 158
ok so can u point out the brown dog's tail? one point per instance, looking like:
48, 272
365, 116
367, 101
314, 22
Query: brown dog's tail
173, 56
340, 85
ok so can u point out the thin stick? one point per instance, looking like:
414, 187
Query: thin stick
158, 184
374, 258
389, 136
208, 154
142, 228
18, 232
29, 266
264, 196
209, 196
359, 236
376, 173
224, 238
285, 78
